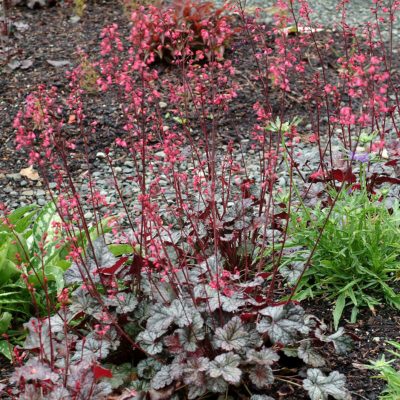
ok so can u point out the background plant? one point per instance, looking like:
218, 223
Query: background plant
33, 259
32, 267
179, 30
357, 258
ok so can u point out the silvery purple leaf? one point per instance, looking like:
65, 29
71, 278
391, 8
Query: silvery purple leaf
310, 355
148, 341
261, 376
34, 370
217, 385
226, 366
124, 302
233, 335
147, 368
320, 386
265, 356
282, 323
341, 342
162, 378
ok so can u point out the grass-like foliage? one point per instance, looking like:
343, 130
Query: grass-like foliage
356, 252
389, 371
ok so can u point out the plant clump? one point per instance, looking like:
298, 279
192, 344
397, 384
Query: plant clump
195, 338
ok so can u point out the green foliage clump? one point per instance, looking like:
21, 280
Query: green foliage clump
355, 252
388, 373
32, 263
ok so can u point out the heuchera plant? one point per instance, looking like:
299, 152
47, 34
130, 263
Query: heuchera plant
180, 30
196, 338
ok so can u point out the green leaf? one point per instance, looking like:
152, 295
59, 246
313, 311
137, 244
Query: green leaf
6, 349
122, 249
16, 244
5, 322
340, 304
20, 212
55, 273
42, 222
25, 222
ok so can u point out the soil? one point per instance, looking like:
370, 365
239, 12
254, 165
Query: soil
51, 36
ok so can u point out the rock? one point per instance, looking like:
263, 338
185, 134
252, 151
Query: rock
37, 3
88, 215
27, 193
14, 177
23, 183
101, 155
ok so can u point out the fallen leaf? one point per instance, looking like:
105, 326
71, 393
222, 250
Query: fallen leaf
75, 19
71, 119
30, 173
58, 63
25, 64
100, 372
14, 64
21, 26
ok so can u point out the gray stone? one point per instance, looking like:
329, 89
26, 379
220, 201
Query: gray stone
129, 163
14, 177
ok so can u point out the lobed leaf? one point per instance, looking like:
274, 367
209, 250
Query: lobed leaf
232, 336
320, 387
283, 323
226, 366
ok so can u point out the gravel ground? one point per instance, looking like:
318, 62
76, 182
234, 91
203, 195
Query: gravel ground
17, 190
326, 13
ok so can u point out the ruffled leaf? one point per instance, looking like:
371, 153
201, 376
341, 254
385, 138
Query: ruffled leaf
225, 366
320, 387
261, 376
310, 355
283, 323
232, 336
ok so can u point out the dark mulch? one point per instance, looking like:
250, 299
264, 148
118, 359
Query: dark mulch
52, 37
370, 333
